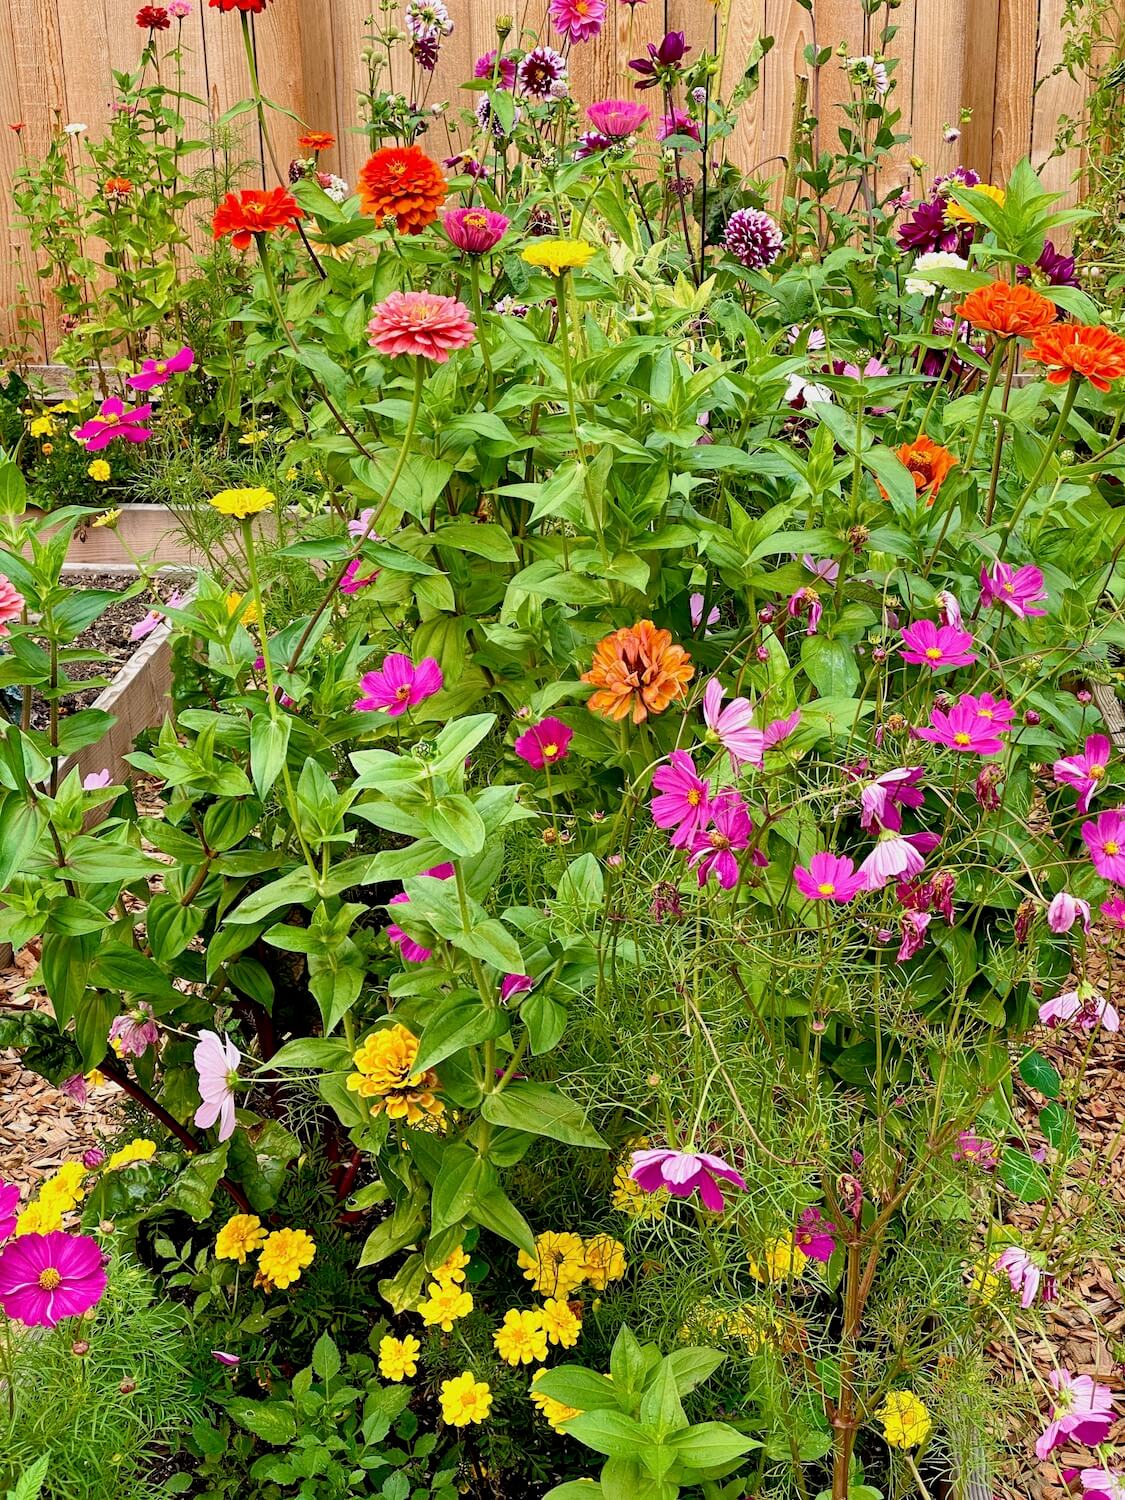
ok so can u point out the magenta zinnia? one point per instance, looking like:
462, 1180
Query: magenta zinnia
420, 323
47, 1277
476, 231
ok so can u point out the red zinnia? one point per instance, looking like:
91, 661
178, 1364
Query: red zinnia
153, 18
1095, 354
247, 7
316, 140
250, 212
403, 183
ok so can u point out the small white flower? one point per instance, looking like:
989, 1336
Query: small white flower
799, 387
74, 129
918, 284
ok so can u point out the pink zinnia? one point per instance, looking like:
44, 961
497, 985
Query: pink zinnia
113, 421
713, 850
683, 802
1017, 589
11, 604
828, 877
1082, 1411
937, 646
683, 1173
1105, 839
961, 728
1083, 1005
353, 581
1086, 771
476, 231
1065, 910
580, 20
155, 372
136, 1031
815, 1236
216, 1062
544, 743
679, 122
399, 684
731, 726
895, 855
421, 323
9, 1205
880, 799
413, 952
47, 1277
617, 118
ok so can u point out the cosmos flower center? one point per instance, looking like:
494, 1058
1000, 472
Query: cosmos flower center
962, 739
161, 368
826, 888
718, 840
933, 653
1008, 588
1095, 773
550, 751
1111, 846
49, 1279
402, 693
694, 797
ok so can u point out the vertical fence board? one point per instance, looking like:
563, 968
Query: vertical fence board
1055, 94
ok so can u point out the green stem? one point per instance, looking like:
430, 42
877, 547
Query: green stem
989, 386
474, 282
994, 478
1049, 453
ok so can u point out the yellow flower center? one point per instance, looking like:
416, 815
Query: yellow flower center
826, 888
1095, 773
693, 797
550, 751
161, 368
402, 693
962, 739
49, 1279
478, 221
933, 653
1111, 846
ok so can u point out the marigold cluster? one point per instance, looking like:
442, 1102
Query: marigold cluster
563, 1261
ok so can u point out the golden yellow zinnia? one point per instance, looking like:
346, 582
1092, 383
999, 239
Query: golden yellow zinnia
521, 1338
239, 1237
906, 1422
398, 1358
285, 1255
243, 503
556, 255
464, 1400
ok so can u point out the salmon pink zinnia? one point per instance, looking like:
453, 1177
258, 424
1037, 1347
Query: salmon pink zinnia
617, 118
47, 1277
579, 20
421, 323
11, 604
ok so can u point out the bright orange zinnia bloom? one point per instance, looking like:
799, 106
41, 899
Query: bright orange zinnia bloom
250, 212
929, 463
401, 182
316, 140
637, 671
1008, 311
1095, 354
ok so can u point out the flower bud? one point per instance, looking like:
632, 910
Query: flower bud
1031, 718
766, 613
503, 28
127, 1386
80, 1347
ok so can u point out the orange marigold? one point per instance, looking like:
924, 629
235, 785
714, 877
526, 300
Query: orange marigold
250, 212
637, 670
1008, 311
1094, 354
316, 140
401, 182
929, 463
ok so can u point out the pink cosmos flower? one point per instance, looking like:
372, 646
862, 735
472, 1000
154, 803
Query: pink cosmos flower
113, 421
897, 854
828, 877
1105, 839
1021, 1271
1085, 772
695, 605
713, 850
399, 684
683, 802
9, 1205
913, 926
806, 601
975, 1149
1102, 1484
617, 118
1113, 911
683, 1173
75, 1088
11, 604
421, 323
937, 646
948, 607
1017, 589
544, 743
154, 618
476, 231
505, 74
351, 582
1065, 910
731, 726
996, 711
136, 1031
1083, 1005
881, 799
815, 1236
780, 729
1082, 1412
580, 20
360, 527
963, 729
515, 984
97, 780
824, 568
216, 1062
47, 1277
232, 1361
679, 122
412, 952
816, 337
155, 372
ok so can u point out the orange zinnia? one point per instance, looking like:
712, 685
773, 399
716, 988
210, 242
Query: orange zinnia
1096, 354
316, 140
637, 671
1008, 311
250, 212
402, 182
929, 463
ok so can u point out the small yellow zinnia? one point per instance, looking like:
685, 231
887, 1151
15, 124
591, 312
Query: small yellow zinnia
64, 1190
99, 470
781, 1258
560, 1323
444, 1305
243, 503
139, 1150
521, 1338
906, 1422
386, 1074
43, 427
247, 612
559, 1264
40, 1218
464, 1400
556, 255
452, 1268
239, 1237
251, 439
398, 1358
107, 520
285, 1255
554, 1411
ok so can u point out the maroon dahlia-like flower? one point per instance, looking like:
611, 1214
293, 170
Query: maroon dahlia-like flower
753, 238
927, 230
1051, 269
662, 64
153, 18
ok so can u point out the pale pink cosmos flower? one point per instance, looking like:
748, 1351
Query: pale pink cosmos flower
1102, 1484
216, 1062
97, 780
1017, 589
823, 568
683, 803
949, 610
399, 684
1021, 1271
135, 1032
683, 1173
814, 1236
360, 527
937, 646
731, 726
1104, 837
881, 799
154, 618
695, 605
1082, 1412
1086, 771
156, 372
1065, 910
816, 337
11, 604
895, 855
422, 324
223, 1358
113, 421
1083, 1005
829, 877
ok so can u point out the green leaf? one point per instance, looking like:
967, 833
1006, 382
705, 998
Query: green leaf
576, 1386
325, 1358
494, 1210
273, 1421
455, 823
610, 1432
488, 541
20, 825
1057, 1125
1022, 1176
269, 741
171, 927
713, 1445
456, 742
692, 1366
462, 1176
831, 666
1039, 1073
541, 1110
466, 1023
294, 889
193, 1191
331, 1053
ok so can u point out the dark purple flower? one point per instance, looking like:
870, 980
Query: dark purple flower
1051, 269
662, 63
926, 230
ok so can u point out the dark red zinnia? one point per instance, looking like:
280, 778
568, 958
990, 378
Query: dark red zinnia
153, 18
247, 7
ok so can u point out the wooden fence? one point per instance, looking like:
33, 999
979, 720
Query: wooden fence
997, 57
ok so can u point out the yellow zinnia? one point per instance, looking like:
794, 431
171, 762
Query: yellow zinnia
243, 503
285, 1255
628, 1197
906, 1422
444, 1305
239, 1237
554, 1411
43, 427
557, 255
957, 213
139, 1150
464, 1400
398, 1358
559, 1264
604, 1260
781, 1258
561, 1325
452, 1268
40, 1218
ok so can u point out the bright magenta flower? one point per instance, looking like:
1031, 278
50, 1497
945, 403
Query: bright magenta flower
156, 372
1113, 911
544, 743
515, 984
1082, 1412
962, 728
414, 953
617, 118
713, 849
1084, 1006
683, 801
9, 1202
47, 1277
975, 1149
1017, 589
996, 711
113, 421
880, 799
937, 646
829, 877
11, 604
683, 1173
353, 581
420, 323
580, 20
1085, 772
399, 684
476, 231
1105, 839
815, 1236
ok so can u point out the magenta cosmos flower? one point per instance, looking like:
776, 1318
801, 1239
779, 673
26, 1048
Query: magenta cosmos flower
1084, 1006
897, 855
814, 1236
353, 580
1102, 1484
232, 1361
113, 421
1085, 772
880, 799
1113, 911
975, 1149
963, 729
683, 1173
136, 1031
422, 324
544, 743
683, 800
829, 877
1065, 910
414, 953
937, 646
1017, 589
617, 118
515, 984
216, 1060
156, 372
47, 1277
1105, 839
399, 684
1082, 1411
1021, 1271
476, 231
9, 1205
731, 726
713, 850
579, 20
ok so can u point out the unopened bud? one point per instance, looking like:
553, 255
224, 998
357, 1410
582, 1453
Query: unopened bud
127, 1386
80, 1347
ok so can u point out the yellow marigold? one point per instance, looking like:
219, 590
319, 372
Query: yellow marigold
95, 1079
555, 1412
556, 255
285, 1255
956, 213
464, 1400
107, 520
292, 475
521, 1338
243, 503
239, 1237
99, 470
604, 1260
386, 1074
559, 1263
43, 427
444, 1305
138, 1150
560, 1322
906, 1422
64, 1189
40, 1218
452, 1268
398, 1358
781, 1258
630, 1198
983, 1281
